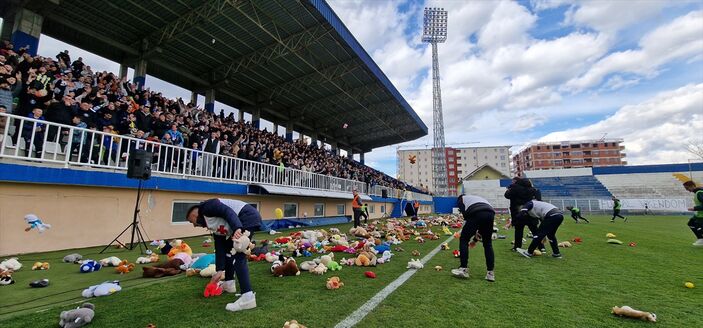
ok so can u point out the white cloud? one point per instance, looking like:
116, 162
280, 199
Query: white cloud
678, 40
655, 131
612, 16
528, 121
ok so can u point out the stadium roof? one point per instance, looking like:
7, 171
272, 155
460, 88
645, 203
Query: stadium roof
295, 60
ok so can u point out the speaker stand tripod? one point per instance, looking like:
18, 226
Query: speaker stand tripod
136, 232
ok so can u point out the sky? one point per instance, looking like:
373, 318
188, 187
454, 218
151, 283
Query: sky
515, 72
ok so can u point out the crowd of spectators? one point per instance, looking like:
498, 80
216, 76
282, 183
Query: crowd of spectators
67, 91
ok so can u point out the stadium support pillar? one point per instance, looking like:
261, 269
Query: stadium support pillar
256, 117
140, 73
313, 138
335, 148
240, 115
123, 70
23, 27
350, 154
194, 98
275, 128
289, 131
210, 100
361, 158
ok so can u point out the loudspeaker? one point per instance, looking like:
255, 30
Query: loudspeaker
139, 164
384, 193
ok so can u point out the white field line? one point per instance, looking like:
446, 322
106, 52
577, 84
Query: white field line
374, 301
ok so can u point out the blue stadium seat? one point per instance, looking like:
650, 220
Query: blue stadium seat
571, 187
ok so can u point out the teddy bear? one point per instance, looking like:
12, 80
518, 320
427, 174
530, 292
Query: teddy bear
179, 246
124, 267
169, 268
307, 265
334, 283
293, 324
35, 222
348, 262
385, 258
41, 266
438, 268
287, 267
325, 259
242, 244
153, 258
106, 288
89, 266
632, 313
6, 277
415, 264
209, 271
415, 252
110, 261
565, 244
271, 256
72, 258
333, 266
320, 269
10, 264
78, 317
359, 232
334, 231
444, 246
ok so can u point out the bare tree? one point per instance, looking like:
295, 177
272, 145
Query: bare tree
695, 147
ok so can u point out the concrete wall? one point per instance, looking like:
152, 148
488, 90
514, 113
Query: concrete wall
83, 216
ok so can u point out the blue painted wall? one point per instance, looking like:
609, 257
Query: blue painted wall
444, 205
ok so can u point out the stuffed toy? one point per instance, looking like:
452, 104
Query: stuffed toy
39, 283
415, 252
307, 265
438, 268
212, 289
577, 239
35, 222
370, 274
287, 268
614, 241
293, 324
399, 249
446, 231
10, 264
565, 244
370, 252
125, 267
207, 242
334, 231
282, 240
610, 235
41, 266
537, 252
72, 258
271, 256
325, 259
382, 248
334, 283
153, 258
164, 246
339, 248
632, 244
110, 261
242, 244
455, 253
359, 232
156, 242
170, 268
179, 246
209, 271
333, 266
263, 249
386, 257
444, 246
90, 266
636, 314
348, 262
78, 317
320, 269
185, 258
6, 278
260, 257
415, 264
104, 289
203, 262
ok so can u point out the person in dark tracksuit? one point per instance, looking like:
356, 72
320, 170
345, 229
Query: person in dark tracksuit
228, 219
576, 214
365, 212
519, 193
479, 215
696, 222
617, 205
551, 218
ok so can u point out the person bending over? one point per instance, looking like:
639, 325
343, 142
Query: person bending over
696, 221
551, 218
576, 214
479, 215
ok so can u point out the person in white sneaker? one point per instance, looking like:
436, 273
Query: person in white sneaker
479, 215
551, 218
227, 219
696, 222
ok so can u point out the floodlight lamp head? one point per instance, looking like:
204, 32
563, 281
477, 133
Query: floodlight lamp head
434, 26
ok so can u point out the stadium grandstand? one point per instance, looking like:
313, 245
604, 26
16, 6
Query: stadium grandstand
67, 129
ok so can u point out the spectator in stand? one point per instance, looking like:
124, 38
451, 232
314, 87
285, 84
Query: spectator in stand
211, 146
176, 136
33, 132
79, 138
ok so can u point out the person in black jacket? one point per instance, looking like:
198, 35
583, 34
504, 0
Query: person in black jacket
228, 219
479, 216
520, 192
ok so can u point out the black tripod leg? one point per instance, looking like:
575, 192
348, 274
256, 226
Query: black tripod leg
114, 240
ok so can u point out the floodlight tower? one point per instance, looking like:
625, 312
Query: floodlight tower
434, 30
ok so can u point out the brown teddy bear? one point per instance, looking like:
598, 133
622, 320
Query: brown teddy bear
170, 268
287, 268
367, 256
636, 314
359, 232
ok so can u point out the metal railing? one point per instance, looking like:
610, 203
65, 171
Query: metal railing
25, 138
398, 193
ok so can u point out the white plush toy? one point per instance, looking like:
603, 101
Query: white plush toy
35, 222
11, 264
106, 288
240, 245
110, 261
385, 258
209, 271
415, 264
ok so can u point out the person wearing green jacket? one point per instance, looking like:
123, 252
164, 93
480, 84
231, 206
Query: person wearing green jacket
576, 214
696, 221
617, 204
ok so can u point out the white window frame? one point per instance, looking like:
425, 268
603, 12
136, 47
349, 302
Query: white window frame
297, 208
173, 203
323, 209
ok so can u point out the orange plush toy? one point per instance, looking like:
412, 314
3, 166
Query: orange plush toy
635, 314
179, 246
334, 283
125, 267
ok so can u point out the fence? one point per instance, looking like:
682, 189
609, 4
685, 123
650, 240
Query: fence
28, 139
